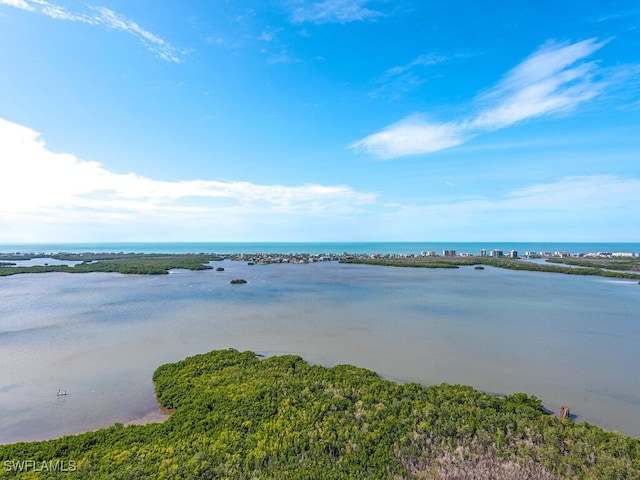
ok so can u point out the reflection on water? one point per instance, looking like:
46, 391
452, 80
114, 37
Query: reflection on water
568, 340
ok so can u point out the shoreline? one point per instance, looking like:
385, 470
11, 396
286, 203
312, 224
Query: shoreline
235, 396
603, 264
151, 417
161, 413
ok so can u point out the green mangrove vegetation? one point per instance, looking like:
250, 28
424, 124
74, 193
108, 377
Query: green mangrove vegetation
153, 264
601, 269
613, 263
237, 416
143, 264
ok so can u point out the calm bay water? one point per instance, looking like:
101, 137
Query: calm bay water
568, 340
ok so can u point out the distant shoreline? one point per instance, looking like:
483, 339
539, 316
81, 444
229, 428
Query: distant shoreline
605, 264
413, 247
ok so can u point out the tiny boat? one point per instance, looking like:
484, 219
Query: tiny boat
61, 393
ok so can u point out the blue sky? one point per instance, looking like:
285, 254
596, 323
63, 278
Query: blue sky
330, 120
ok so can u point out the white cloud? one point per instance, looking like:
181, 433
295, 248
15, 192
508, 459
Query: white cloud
154, 43
555, 79
411, 136
48, 196
549, 81
105, 17
579, 208
327, 11
17, 3
47, 187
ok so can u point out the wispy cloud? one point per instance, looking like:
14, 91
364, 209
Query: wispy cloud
17, 3
63, 187
96, 15
401, 79
266, 36
619, 15
565, 208
282, 57
556, 79
270, 34
411, 136
333, 11
588, 194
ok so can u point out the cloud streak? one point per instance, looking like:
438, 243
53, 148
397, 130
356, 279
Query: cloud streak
333, 11
566, 207
555, 79
411, 136
101, 16
552, 80
399, 80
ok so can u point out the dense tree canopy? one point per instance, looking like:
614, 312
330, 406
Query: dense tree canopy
238, 416
119, 263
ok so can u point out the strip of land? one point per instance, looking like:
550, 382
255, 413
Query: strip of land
155, 264
142, 264
600, 267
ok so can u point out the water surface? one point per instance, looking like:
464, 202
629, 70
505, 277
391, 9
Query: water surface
569, 340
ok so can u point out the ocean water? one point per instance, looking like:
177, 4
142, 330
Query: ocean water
321, 247
569, 340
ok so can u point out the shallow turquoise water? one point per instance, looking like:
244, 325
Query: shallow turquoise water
321, 247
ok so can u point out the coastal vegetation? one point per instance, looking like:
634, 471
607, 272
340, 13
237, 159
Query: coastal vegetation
613, 263
143, 264
157, 264
138, 263
237, 416
602, 269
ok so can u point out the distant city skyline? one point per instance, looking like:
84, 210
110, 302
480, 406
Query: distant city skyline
526, 249
332, 120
